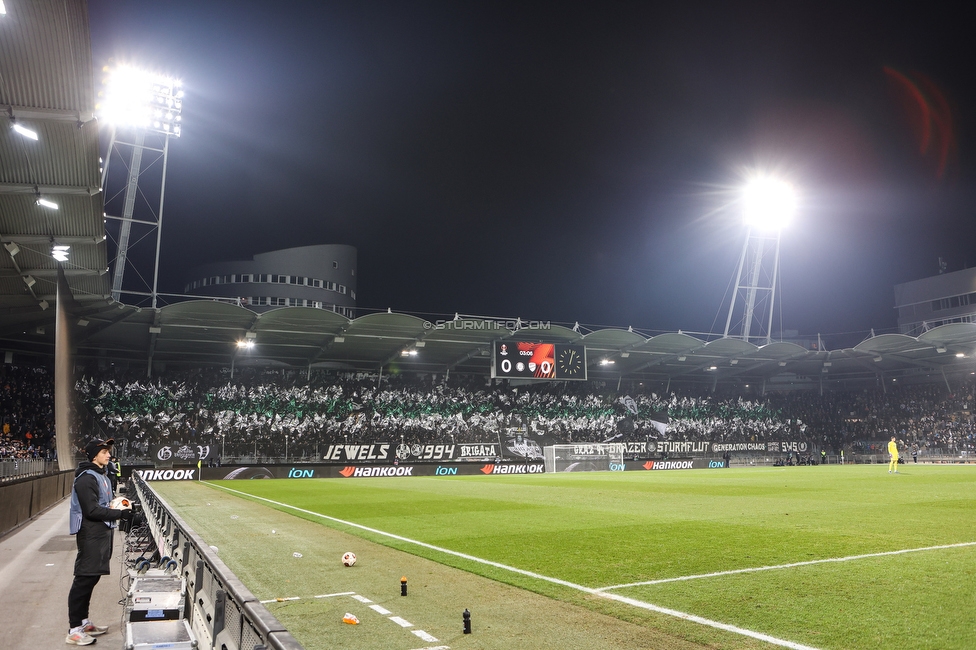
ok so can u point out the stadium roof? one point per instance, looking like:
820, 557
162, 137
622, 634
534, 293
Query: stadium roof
47, 87
47, 92
205, 332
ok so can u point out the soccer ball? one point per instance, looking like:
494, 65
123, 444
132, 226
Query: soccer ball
349, 558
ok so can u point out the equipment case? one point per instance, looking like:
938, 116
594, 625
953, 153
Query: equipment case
156, 635
155, 598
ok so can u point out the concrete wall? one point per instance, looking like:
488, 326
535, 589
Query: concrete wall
24, 499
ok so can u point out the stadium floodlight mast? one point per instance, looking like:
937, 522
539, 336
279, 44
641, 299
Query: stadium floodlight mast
139, 102
768, 206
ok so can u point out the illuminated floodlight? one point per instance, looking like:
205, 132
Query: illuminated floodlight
45, 203
768, 203
24, 131
143, 100
60, 253
246, 344
3, 9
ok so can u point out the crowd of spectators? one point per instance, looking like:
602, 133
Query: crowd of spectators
253, 412
27, 409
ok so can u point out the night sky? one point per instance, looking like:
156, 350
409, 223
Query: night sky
567, 161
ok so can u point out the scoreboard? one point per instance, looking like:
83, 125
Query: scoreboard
525, 360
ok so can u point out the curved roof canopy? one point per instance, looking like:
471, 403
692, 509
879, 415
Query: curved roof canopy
204, 332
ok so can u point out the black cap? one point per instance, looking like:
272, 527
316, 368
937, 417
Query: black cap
93, 447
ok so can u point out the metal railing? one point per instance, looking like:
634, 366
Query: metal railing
224, 615
11, 468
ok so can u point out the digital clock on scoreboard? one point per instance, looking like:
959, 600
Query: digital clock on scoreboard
525, 360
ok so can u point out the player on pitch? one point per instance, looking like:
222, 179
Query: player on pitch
893, 450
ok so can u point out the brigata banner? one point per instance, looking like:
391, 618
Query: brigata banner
467, 451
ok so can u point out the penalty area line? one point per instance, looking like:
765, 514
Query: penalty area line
791, 565
538, 576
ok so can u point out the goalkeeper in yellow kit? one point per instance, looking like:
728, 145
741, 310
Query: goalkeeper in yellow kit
893, 450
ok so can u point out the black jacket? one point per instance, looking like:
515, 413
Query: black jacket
94, 539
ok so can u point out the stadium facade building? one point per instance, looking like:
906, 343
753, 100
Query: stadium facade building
937, 300
321, 277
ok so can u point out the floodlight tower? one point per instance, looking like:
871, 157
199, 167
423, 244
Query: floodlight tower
147, 107
768, 206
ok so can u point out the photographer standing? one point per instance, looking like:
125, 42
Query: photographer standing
93, 524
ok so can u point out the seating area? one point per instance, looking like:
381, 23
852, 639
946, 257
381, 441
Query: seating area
27, 412
251, 413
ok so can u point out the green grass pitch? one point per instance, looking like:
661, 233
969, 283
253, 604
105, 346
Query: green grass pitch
598, 530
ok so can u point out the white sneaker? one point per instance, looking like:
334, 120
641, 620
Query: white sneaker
77, 636
91, 629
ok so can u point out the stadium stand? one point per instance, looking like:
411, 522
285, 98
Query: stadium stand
27, 409
250, 412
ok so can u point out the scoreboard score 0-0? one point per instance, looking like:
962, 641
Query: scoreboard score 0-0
547, 361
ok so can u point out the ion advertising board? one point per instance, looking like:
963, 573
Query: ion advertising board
252, 472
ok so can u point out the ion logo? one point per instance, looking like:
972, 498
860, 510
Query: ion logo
716, 463
617, 467
445, 471
294, 472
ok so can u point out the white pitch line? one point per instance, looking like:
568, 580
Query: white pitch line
379, 609
280, 600
362, 599
791, 565
708, 622
341, 593
426, 637
402, 623
498, 565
